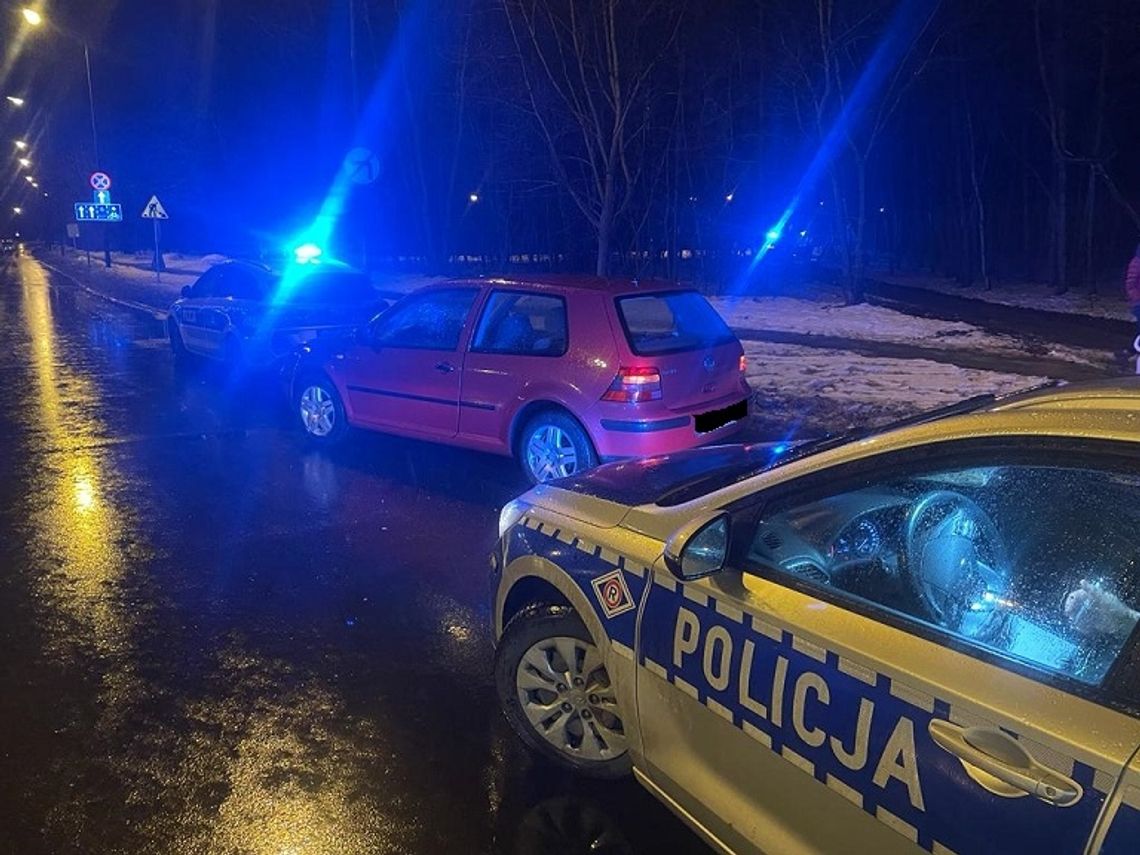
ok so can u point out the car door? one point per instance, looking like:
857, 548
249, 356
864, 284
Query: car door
893, 644
409, 378
201, 324
517, 345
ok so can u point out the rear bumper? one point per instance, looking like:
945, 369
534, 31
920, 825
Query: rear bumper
618, 438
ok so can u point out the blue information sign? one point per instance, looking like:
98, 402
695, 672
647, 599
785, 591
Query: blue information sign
88, 212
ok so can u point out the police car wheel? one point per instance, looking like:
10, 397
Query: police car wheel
321, 411
553, 445
557, 695
176, 343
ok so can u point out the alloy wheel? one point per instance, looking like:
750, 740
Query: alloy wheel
318, 412
566, 695
550, 453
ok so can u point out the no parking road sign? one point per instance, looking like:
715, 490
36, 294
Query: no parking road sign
100, 181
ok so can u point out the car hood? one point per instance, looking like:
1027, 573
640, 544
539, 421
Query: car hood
671, 478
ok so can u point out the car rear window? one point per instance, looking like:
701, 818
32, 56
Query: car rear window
671, 322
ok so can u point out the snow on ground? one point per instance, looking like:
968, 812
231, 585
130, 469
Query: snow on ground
827, 314
824, 391
1028, 295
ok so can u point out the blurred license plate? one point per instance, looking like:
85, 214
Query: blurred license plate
710, 421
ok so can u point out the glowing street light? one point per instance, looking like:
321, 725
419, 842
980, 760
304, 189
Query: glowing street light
32, 16
29, 179
17, 211
473, 198
21, 145
14, 101
24, 162
729, 197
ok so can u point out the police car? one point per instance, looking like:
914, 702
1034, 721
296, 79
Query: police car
918, 639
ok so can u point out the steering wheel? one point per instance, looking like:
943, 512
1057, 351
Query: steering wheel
956, 561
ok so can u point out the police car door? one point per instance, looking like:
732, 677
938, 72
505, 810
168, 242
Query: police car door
819, 695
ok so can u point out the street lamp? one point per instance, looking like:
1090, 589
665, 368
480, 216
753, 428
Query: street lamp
21, 145
86, 64
24, 162
473, 198
15, 102
29, 179
17, 211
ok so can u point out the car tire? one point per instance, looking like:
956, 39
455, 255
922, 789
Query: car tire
177, 345
566, 712
553, 445
319, 409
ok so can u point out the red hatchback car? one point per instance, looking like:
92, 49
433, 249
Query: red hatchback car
559, 371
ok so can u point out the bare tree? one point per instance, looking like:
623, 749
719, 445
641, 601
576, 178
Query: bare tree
589, 73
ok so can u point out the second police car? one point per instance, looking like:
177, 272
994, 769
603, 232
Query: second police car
922, 639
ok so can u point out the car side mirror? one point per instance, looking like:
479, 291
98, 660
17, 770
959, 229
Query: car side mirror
186, 292
699, 547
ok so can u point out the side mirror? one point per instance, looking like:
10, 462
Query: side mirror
699, 548
186, 292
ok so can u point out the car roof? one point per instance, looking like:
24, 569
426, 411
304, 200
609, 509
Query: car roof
572, 282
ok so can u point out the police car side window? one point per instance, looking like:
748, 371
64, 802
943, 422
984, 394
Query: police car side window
1034, 563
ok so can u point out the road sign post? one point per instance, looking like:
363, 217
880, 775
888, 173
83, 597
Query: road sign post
155, 212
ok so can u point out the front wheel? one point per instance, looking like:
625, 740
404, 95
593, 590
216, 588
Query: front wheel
556, 692
321, 411
554, 445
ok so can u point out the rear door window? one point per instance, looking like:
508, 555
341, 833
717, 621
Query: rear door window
522, 324
671, 322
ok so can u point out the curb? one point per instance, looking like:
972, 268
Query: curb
157, 314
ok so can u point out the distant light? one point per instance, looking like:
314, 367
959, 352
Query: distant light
17, 210
21, 145
45, 195
772, 236
35, 185
729, 197
24, 162
779, 448
308, 253
882, 210
692, 198
32, 17
821, 203
29, 179
18, 102
473, 198
803, 233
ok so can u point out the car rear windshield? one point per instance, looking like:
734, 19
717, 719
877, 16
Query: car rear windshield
671, 322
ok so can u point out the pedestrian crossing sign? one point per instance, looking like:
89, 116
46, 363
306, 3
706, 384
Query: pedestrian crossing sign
154, 210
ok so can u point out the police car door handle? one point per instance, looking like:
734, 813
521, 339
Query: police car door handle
1003, 757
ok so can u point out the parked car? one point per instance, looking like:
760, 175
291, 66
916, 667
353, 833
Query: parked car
921, 639
558, 371
241, 312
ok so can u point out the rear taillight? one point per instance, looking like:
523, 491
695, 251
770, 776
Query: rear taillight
743, 363
634, 385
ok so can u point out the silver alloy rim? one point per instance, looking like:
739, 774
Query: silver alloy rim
567, 697
550, 453
317, 411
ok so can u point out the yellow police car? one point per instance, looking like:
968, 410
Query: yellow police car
918, 639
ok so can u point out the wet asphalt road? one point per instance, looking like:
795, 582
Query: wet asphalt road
218, 640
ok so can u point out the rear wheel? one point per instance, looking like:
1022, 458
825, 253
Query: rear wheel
321, 411
557, 694
553, 445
